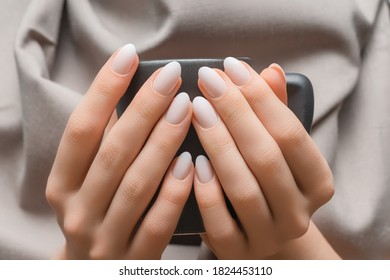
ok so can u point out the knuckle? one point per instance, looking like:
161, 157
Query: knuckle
156, 230
221, 146
174, 198
296, 226
224, 235
207, 202
145, 112
106, 88
257, 99
76, 227
293, 136
270, 161
133, 190
327, 192
161, 146
324, 191
247, 196
300, 226
79, 130
52, 194
110, 155
52, 197
103, 89
233, 114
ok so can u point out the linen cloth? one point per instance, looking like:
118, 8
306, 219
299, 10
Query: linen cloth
52, 49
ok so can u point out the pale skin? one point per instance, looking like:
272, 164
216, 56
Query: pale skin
276, 178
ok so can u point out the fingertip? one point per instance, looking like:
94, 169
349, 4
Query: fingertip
167, 78
204, 112
274, 76
124, 60
178, 110
280, 70
203, 170
236, 71
212, 82
182, 167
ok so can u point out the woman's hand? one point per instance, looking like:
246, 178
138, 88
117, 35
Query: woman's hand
264, 160
106, 170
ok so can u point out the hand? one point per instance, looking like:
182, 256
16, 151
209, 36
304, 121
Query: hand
106, 170
263, 159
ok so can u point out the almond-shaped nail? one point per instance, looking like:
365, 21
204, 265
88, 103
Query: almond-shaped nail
203, 170
182, 166
178, 109
124, 60
212, 82
236, 71
167, 79
204, 112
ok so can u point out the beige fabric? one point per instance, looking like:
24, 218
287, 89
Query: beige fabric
51, 50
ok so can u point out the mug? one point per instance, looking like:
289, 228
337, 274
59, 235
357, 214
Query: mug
300, 101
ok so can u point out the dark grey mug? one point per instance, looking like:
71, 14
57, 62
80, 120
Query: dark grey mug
300, 101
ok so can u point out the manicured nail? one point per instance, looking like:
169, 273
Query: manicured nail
178, 109
236, 71
124, 60
204, 171
182, 166
212, 82
167, 79
279, 69
204, 112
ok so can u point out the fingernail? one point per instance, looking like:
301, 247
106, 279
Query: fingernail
204, 171
182, 166
204, 112
212, 82
278, 68
124, 60
167, 79
178, 109
236, 71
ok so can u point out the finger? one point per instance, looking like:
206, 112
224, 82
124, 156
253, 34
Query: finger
125, 140
110, 125
257, 146
84, 131
160, 222
276, 79
141, 180
311, 173
207, 252
221, 228
237, 180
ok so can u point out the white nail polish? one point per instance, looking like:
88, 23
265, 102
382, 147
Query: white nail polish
178, 109
167, 79
182, 166
203, 169
212, 82
236, 71
204, 112
124, 60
